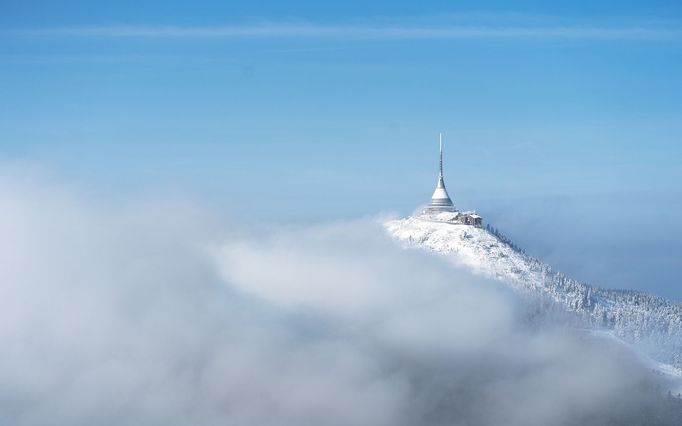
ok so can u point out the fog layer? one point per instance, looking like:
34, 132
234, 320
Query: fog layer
160, 313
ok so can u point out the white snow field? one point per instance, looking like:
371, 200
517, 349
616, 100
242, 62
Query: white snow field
649, 324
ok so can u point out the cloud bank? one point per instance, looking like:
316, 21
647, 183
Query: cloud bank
157, 313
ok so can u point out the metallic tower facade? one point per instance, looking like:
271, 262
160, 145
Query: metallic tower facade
440, 201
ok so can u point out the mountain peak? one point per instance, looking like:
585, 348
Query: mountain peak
648, 323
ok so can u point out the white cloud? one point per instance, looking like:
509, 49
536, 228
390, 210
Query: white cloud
158, 314
362, 32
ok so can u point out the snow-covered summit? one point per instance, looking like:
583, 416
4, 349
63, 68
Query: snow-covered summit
474, 247
649, 323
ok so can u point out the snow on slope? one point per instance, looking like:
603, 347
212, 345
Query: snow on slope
649, 323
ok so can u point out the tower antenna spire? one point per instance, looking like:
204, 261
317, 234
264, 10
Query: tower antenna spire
440, 201
440, 143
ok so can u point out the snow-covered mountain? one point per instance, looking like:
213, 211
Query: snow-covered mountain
649, 323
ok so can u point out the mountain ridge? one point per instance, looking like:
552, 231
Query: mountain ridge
649, 323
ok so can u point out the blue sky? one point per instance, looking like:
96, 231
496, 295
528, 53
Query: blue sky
562, 121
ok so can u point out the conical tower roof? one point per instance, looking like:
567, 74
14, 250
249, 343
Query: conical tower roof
440, 201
